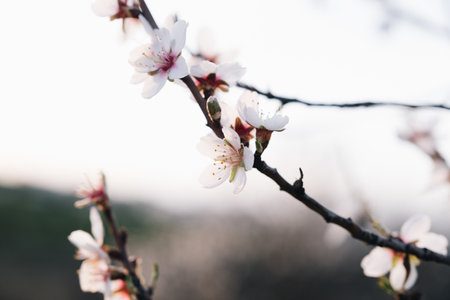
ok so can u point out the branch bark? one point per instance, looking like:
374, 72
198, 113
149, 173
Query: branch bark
286, 100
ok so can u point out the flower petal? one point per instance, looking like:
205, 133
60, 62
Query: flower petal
232, 137
227, 115
398, 276
105, 8
141, 58
153, 84
239, 180
138, 77
434, 242
148, 28
179, 69
204, 68
230, 72
93, 276
88, 247
378, 262
415, 227
412, 277
96, 226
208, 144
276, 123
212, 176
178, 34
248, 159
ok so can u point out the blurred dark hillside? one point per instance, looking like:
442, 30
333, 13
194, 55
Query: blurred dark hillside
201, 256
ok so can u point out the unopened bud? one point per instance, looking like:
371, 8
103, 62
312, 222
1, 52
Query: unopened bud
213, 108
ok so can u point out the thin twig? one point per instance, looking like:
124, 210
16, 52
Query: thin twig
286, 100
120, 240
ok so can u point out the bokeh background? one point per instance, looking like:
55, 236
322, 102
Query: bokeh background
67, 112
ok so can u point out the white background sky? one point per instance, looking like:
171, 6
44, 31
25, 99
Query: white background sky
67, 109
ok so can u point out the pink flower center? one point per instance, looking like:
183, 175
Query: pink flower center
167, 62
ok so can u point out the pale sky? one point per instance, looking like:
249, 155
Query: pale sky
68, 110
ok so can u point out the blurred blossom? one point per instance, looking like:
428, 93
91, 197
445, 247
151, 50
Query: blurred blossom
91, 194
382, 260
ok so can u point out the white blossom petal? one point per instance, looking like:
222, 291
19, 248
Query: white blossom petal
434, 242
178, 34
239, 180
212, 176
140, 58
248, 159
227, 115
161, 37
230, 72
94, 276
252, 117
83, 240
413, 274
415, 227
105, 8
276, 123
153, 84
138, 77
96, 226
204, 68
207, 145
232, 137
148, 28
378, 262
179, 69
398, 276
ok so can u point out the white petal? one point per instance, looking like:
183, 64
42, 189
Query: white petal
212, 176
252, 117
83, 240
96, 226
232, 137
204, 68
434, 242
398, 276
179, 69
276, 123
153, 84
178, 34
230, 72
227, 115
248, 159
411, 278
105, 8
208, 144
148, 28
239, 180
93, 276
138, 77
378, 262
140, 58
161, 38
415, 227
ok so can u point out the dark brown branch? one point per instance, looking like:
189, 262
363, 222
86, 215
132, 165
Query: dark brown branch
296, 190
120, 240
286, 100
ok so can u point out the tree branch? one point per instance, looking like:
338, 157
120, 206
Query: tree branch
120, 240
297, 191
286, 100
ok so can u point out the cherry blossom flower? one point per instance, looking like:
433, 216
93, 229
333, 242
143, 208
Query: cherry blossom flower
161, 60
91, 194
116, 9
231, 160
381, 260
229, 118
209, 76
249, 109
95, 269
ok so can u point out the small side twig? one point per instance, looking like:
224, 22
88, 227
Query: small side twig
120, 240
286, 100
